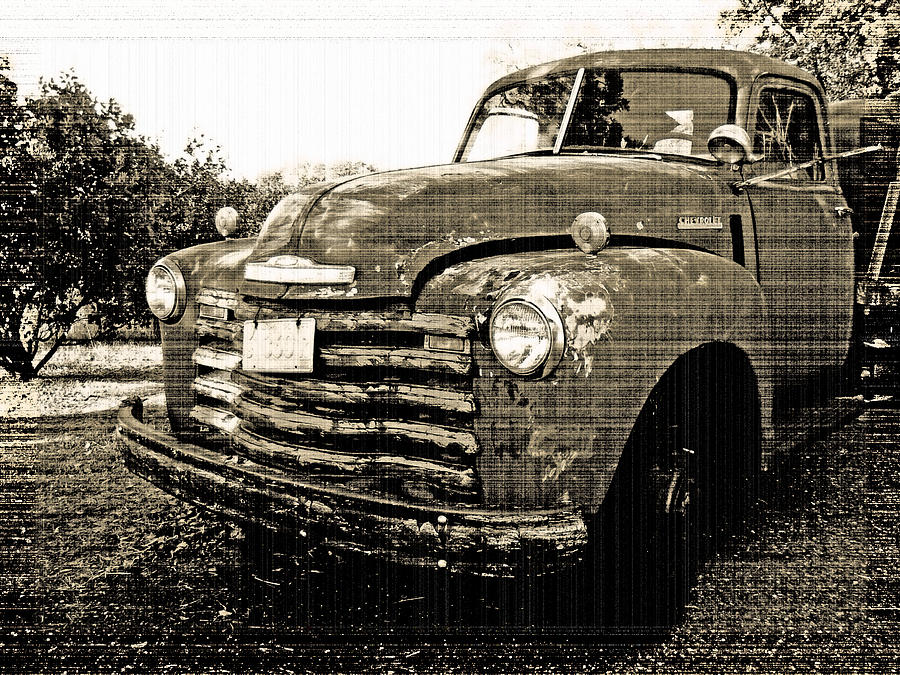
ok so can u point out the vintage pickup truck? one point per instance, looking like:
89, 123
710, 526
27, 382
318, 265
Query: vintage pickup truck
577, 345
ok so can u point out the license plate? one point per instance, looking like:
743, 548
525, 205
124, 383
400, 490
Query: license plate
279, 345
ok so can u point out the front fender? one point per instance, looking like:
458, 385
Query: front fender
629, 314
217, 265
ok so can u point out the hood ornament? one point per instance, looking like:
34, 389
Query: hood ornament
292, 269
590, 231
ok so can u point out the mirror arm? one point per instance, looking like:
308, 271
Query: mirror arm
740, 185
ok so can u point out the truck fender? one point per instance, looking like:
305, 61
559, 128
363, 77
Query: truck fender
629, 315
217, 265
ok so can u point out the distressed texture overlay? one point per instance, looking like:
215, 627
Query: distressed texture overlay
614, 390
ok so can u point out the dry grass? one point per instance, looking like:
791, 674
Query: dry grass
103, 359
84, 378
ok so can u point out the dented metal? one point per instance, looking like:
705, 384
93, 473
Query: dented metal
477, 540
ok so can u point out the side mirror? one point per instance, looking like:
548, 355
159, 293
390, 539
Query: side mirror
226, 221
731, 144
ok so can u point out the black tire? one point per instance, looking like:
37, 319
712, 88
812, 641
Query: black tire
685, 482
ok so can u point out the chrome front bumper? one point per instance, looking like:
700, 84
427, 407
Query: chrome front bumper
478, 540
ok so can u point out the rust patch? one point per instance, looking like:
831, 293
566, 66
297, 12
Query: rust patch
584, 302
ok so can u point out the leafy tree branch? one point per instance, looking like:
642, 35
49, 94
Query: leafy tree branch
853, 47
87, 205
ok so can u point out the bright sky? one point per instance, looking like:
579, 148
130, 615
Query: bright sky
276, 83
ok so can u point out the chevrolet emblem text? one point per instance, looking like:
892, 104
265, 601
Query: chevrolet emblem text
700, 222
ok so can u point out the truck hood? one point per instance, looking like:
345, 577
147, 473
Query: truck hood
391, 226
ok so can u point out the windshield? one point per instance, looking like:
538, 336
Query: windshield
652, 111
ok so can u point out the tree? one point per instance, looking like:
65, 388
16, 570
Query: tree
18, 190
853, 46
87, 205
191, 195
66, 218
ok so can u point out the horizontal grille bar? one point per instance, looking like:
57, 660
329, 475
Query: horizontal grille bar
216, 298
291, 420
216, 358
217, 384
217, 418
385, 394
419, 322
233, 332
230, 331
356, 357
346, 466
415, 359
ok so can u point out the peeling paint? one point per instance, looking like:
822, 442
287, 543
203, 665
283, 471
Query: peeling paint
332, 292
589, 319
584, 304
561, 462
558, 449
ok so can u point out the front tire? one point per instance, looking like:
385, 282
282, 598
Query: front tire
684, 484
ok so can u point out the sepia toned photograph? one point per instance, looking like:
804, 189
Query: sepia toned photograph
473, 337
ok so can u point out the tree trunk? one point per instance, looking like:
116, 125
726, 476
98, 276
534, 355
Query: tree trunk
15, 359
48, 355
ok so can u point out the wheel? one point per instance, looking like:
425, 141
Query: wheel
649, 537
682, 486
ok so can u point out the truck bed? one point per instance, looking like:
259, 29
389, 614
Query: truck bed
871, 185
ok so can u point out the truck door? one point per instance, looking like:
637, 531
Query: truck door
805, 247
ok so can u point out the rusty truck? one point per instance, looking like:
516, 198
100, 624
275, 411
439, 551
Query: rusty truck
576, 346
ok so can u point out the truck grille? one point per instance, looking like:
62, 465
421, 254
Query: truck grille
380, 413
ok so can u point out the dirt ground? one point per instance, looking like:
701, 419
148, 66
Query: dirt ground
102, 572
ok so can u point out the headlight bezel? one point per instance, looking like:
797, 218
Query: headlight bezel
555, 327
171, 268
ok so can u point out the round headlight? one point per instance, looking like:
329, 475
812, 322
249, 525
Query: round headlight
165, 291
527, 336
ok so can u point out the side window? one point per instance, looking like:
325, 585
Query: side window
787, 133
